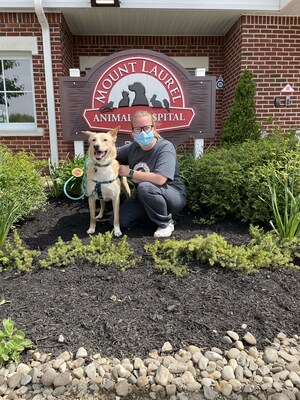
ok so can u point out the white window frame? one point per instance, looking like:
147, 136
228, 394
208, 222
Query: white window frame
24, 47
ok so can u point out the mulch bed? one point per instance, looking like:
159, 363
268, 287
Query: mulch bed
126, 314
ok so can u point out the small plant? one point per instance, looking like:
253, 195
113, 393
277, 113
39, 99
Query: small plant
286, 218
64, 254
12, 343
8, 212
100, 251
14, 255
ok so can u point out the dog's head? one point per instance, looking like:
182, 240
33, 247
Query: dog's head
102, 145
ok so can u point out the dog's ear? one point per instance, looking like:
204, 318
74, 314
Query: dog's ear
114, 133
88, 133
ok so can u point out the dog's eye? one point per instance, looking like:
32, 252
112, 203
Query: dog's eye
93, 140
105, 140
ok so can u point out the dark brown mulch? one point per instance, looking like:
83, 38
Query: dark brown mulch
126, 314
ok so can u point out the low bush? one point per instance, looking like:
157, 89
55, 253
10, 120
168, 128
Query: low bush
265, 250
21, 181
21, 188
100, 251
232, 182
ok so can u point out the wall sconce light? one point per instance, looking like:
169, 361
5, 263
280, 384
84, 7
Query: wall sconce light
105, 3
287, 101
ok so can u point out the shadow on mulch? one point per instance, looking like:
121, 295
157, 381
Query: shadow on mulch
126, 314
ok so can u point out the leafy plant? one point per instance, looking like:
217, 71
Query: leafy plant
241, 123
14, 255
12, 343
286, 218
8, 212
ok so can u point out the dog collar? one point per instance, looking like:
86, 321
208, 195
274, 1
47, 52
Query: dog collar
102, 165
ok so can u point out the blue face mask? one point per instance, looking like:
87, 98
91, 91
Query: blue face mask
144, 139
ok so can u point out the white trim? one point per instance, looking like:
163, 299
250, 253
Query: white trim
38, 132
259, 5
19, 43
86, 62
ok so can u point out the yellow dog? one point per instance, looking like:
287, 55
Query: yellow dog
102, 179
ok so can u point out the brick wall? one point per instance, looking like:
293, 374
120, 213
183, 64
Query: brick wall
268, 45
271, 49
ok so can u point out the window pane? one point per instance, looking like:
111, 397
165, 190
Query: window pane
17, 75
3, 116
17, 106
20, 107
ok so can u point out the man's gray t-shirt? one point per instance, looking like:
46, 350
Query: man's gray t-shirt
161, 159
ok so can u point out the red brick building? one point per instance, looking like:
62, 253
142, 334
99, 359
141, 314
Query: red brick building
41, 43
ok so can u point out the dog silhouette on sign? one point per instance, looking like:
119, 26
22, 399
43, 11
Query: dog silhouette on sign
124, 102
140, 98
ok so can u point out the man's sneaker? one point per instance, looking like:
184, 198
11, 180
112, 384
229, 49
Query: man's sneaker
165, 232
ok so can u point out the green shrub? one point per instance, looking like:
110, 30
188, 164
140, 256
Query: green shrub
232, 182
241, 123
21, 182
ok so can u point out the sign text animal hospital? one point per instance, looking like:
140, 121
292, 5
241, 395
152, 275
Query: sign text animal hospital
133, 83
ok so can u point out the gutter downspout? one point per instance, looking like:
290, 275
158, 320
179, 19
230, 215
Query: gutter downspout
49, 80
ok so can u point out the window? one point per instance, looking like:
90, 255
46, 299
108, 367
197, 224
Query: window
17, 106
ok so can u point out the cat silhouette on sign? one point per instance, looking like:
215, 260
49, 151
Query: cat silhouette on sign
124, 102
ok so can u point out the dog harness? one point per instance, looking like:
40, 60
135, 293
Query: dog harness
98, 186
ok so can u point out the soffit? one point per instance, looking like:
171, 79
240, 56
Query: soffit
157, 17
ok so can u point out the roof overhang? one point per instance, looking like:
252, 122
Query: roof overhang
156, 17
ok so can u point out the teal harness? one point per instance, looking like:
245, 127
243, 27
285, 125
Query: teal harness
98, 186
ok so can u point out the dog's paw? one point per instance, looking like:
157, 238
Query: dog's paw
91, 231
117, 232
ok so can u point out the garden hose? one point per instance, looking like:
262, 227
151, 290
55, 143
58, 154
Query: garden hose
76, 173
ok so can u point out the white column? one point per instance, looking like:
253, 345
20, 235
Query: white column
199, 143
78, 144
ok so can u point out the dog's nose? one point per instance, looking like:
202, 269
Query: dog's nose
96, 146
